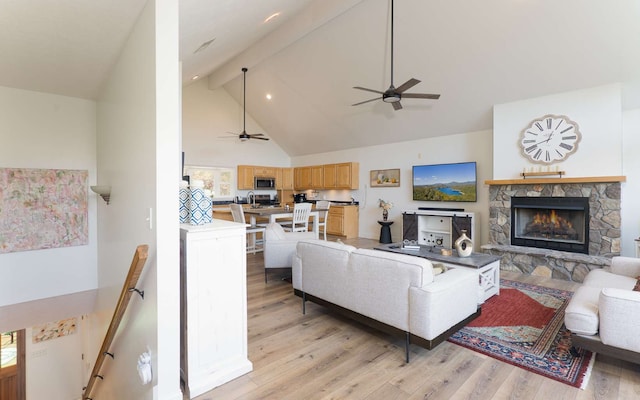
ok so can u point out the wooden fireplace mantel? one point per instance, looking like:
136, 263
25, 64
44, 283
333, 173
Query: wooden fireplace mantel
533, 181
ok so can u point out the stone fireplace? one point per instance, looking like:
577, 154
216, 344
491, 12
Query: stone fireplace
576, 231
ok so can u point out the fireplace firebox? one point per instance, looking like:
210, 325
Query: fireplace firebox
557, 223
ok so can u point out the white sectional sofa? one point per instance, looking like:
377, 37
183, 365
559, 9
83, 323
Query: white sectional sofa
393, 292
604, 313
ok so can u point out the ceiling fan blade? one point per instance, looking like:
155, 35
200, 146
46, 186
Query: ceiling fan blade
367, 101
257, 134
259, 138
368, 90
408, 84
421, 96
396, 105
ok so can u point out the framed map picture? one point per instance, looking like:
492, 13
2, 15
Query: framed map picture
384, 177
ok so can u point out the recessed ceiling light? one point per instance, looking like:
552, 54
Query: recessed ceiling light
270, 17
204, 45
268, 96
193, 78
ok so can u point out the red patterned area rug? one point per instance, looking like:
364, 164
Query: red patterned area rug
524, 326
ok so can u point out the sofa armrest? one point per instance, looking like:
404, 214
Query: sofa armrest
297, 236
437, 306
628, 266
619, 312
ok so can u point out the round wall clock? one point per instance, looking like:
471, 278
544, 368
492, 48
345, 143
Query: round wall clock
549, 139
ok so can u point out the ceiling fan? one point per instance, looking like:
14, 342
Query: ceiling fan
244, 136
393, 95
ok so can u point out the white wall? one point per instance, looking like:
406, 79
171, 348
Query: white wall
53, 368
39, 130
598, 114
631, 188
209, 114
138, 155
476, 146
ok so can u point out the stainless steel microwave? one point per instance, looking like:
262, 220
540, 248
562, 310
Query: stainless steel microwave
264, 183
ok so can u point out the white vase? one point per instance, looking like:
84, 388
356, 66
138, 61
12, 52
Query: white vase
464, 245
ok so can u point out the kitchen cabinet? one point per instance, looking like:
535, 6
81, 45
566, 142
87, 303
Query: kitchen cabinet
245, 177
284, 178
316, 177
329, 176
264, 172
213, 305
343, 221
302, 178
341, 176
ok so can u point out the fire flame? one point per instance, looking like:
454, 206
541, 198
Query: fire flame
551, 219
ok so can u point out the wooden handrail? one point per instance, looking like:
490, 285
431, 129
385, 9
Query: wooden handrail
137, 264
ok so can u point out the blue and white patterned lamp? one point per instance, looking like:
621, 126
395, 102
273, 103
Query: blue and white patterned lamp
200, 206
184, 195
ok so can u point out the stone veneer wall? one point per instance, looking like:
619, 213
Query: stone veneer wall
604, 230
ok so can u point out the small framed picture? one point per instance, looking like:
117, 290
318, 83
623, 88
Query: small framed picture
384, 177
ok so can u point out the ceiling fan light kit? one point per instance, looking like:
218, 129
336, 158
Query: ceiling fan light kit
393, 95
244, 136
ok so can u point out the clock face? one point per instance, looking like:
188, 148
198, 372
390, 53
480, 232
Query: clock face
550, 139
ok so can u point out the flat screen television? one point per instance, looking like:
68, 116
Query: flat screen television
445, 182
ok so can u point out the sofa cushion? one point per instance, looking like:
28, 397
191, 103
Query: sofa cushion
274, 231
601, 279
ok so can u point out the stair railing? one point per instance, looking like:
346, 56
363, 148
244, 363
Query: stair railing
137, 264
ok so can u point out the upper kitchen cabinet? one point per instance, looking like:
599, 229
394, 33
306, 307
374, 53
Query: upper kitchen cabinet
264, 172
316, 177
308, 177
284, 178
245, 177
341, 176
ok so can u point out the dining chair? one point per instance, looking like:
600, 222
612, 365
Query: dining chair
252, 240
322, 219
300, 219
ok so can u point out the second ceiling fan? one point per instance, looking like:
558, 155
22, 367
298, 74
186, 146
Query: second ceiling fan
244, 136
393, 95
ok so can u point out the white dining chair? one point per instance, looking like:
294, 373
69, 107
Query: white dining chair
300, 219
322, 218
252, 240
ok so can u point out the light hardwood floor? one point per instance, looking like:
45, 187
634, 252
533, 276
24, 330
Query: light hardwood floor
323, 356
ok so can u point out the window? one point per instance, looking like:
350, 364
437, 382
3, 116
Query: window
219, 182
8, 350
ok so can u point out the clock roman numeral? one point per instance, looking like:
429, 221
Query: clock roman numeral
569, 137
566, 146
560, 154
559, 123
539, 126
566, 129
548, 123
547, 157
537, 155
529, 141
531, 148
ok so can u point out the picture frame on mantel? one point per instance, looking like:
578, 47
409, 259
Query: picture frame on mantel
384, 177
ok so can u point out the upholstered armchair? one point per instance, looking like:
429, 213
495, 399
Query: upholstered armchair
280, 246
604, 313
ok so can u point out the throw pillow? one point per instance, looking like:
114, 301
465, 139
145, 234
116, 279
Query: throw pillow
439, 268
637, 286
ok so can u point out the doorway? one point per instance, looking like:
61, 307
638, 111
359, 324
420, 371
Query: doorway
12, 365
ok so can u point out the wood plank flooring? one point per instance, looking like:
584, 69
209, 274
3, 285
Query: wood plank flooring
323, 356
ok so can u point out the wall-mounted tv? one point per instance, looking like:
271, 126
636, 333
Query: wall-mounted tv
445, 182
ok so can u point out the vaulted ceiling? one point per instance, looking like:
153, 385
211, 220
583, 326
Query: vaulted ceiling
475, 54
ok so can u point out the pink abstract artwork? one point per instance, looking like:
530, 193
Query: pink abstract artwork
42, 209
